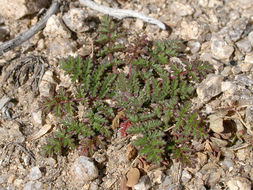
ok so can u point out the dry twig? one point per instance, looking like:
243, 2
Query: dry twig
121, 13
30, 154
21, 38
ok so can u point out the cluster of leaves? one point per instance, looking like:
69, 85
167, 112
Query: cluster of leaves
155, 95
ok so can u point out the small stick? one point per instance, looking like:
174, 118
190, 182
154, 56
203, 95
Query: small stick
21, 38
121, 13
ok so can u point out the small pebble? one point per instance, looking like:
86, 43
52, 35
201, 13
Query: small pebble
35, 173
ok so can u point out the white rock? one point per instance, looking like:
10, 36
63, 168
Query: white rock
228, 86
33, 185
194, 46
243, 154
246, 66
226, 71
58, 42
83, 170
210, 87
61, 47
186, 176
216, 123
220, 49
37, 117
75, 18
248, 61
54, 28
239, 183
47, 85
236, 70
144, 183
181, 9
244, 45
41, 44
190, 30
203, 3
158, 176
35, 173
139, 24
18, 8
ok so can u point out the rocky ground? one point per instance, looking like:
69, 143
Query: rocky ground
220, 32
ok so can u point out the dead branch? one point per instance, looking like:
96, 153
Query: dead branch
121, 13
21, 38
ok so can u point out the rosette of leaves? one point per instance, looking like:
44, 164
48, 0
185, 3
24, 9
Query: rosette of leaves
156, 103
154, 94
93, 86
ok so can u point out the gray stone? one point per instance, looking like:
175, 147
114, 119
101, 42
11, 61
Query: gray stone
83, 170
61, 47
55, 28
144, 183
236, 70
226, 71
220, 49
227, 164
210, 87
31, 185
75, 19
3, 101
59, 42
186, 176
35, 173
244, 80
244, 45
194, 46
167, 181
239, 183
235, 34
228, 87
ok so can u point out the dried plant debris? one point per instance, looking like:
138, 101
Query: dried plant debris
29, 70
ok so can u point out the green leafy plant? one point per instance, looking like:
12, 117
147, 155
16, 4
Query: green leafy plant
153, 91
